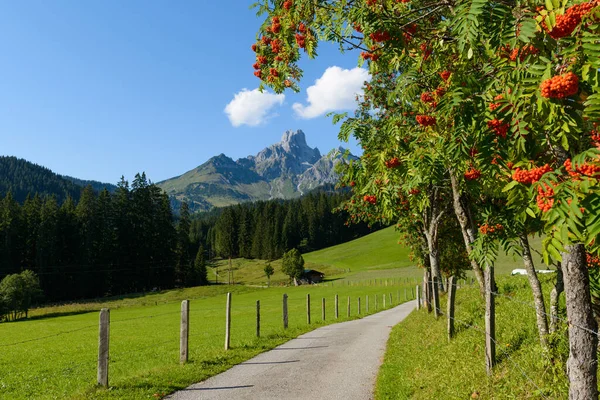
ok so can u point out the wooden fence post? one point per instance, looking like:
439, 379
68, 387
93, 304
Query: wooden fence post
391, 300
418, 297
375, 302
308, 309
405, 295
285, 311
383, 295
228, 322
336, 307
257, 318
367, 304
103, 342
323, 308
184, 331
358, 305
348, 306
451, 297
490, 321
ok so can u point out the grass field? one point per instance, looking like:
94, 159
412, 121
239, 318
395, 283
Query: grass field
55, 357
421, 364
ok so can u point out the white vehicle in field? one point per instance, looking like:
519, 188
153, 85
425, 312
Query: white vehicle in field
520, 271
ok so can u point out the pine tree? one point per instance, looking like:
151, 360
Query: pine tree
200, 267
183, 274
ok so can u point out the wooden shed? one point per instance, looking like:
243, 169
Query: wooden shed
312, 276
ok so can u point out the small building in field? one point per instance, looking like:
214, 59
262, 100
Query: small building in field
312, 276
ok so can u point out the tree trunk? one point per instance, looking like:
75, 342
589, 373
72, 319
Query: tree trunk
451, 298
536, 288
554, 299
435, 270
467, 229
583, 339
426, 291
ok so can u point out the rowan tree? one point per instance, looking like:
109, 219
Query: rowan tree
504, 92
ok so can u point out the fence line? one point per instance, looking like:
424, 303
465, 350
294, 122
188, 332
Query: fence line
532, 306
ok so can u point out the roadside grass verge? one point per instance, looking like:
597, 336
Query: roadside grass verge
49, 358
420, 363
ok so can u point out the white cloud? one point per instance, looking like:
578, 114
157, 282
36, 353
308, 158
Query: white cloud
335, 90
251, 107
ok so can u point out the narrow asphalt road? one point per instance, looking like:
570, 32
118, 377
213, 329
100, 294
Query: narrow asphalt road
338, 361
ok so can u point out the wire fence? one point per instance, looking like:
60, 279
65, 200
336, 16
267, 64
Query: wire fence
154, 339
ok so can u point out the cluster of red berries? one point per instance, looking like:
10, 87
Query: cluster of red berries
300, 40
380, 36
425, 120
500, 128
560, 86
370, 199
288, 4
566, 23
276, 46
472, 174
352, 183
445, 75
409, 32
440, 91
530, 176
494, 106
393, 163
426, 97
414, 191
544, 198
586, 169
486, 229
426, 51
592, 261
275, 26
371, 2
520, 53
595, 136
369, 56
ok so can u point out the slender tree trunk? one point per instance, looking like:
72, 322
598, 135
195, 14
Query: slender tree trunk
583, 339
554, 299
467, 229
536, 288
435, 270
426, 289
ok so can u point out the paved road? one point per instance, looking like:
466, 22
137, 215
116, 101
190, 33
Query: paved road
338, 361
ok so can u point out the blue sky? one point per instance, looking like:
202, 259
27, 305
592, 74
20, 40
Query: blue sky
102, 89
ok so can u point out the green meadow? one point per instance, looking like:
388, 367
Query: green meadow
54, 357
53, 354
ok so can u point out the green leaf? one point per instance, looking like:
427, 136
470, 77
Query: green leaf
510, 185
470, 53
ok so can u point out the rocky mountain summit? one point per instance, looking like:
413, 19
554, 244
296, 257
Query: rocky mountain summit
284, 170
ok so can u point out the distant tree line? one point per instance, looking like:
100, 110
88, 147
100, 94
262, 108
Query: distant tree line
267, 229
130, 241
104, 244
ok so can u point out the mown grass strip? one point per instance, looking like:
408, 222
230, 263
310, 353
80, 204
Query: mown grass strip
421, 364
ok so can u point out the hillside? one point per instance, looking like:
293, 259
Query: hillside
21, 177
285, 170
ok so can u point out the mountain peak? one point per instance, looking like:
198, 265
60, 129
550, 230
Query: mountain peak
291, 139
